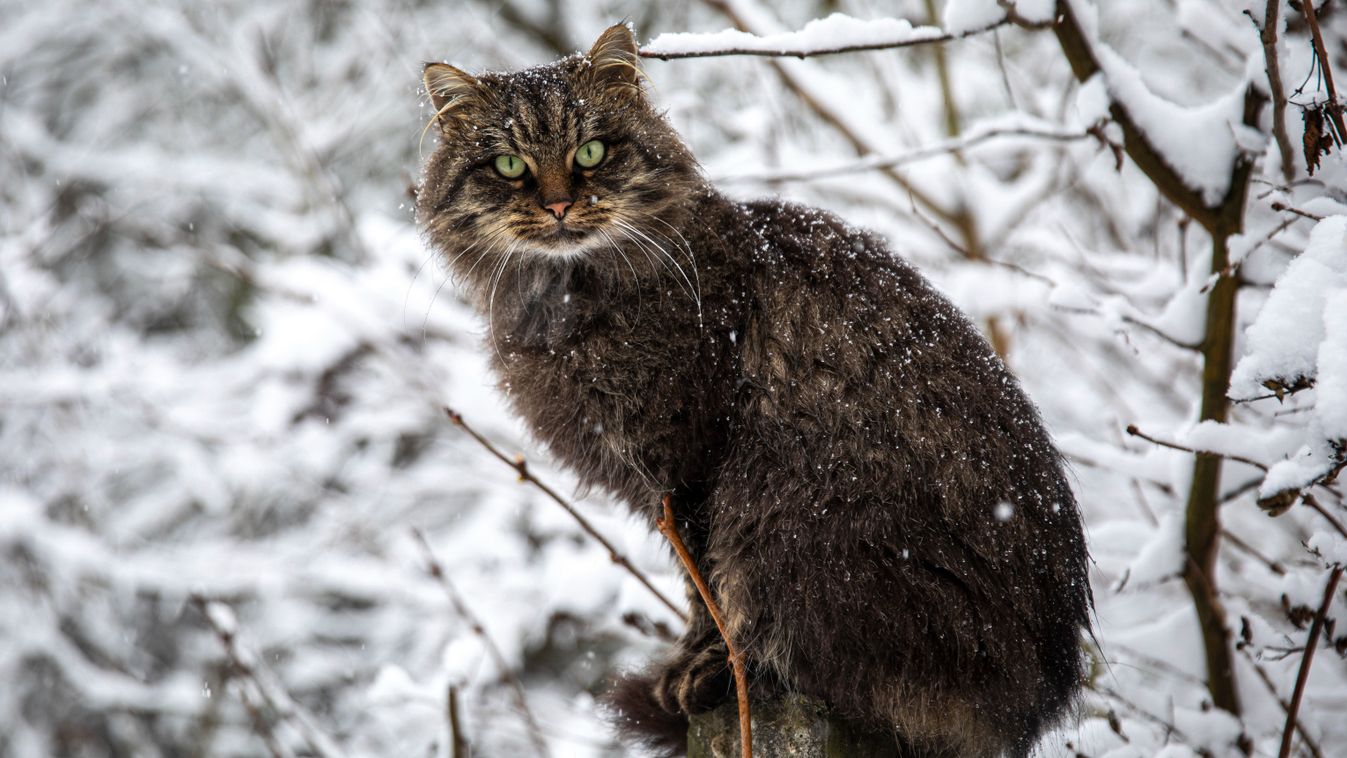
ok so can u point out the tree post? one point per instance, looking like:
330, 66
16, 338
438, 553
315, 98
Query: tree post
791, 725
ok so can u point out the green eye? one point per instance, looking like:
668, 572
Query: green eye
589, 154
510, 166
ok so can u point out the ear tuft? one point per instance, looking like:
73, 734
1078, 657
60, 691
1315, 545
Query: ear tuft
449, 89
615, 60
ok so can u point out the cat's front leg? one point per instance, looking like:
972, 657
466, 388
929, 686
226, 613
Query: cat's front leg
696, 677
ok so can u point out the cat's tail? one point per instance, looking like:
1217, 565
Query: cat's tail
640, 718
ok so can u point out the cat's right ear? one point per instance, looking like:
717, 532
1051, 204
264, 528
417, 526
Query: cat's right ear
615, 61
450, 89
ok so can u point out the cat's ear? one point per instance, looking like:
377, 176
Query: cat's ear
450, 89
614, 61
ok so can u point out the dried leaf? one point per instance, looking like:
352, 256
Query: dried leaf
1280, 502
1317, 140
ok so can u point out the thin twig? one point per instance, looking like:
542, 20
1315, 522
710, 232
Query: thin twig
220, 619
1157, 664
1297, 211
1132, 321
1258, 669
799, 87
876, 162
275, 747
1268, 36
1166, 724
1310, 645
669, 528
1273, 566
1334, 106
1313, 502
458, 744
507, 673
935, 227
1135, 432
520, 465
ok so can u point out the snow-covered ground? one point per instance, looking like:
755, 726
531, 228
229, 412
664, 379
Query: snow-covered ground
225, 357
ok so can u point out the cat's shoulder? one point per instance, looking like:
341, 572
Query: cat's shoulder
820, 244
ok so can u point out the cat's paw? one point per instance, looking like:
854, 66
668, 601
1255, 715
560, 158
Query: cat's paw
696, 681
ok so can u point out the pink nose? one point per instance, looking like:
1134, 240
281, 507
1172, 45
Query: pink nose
558, 208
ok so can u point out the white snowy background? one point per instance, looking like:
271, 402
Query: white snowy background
225, 357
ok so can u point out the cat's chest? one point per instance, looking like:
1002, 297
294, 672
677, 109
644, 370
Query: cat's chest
587, 366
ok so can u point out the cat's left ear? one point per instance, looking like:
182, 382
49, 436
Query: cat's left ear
614, 61
450, 89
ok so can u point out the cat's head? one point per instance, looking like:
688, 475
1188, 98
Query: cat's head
551, 163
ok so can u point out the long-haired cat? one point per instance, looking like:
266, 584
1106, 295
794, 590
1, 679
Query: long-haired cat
873, 499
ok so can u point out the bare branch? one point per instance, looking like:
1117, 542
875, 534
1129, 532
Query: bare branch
1334, 105
507, 672
220, 619
669, 528
458, 744
1263, 677
1133, 321
1135, 432
1314, 503
1289, 209
839, 122
795, 45
1310, 645
876, 162
520, 465
1274, 566
1268, 36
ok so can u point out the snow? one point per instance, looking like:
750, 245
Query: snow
1332, 547
1035, 11
962, 16
1284, 340
1160, 556
1093, 100
1199, 142
1331, 389
1184, 318
834, 31
1240, 441
1297, 472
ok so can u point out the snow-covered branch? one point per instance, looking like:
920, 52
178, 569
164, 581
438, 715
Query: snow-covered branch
1008, 130
832, 35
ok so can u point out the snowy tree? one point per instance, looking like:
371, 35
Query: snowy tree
235, 518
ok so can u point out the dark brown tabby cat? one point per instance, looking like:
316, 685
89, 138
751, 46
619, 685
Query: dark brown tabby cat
871, 496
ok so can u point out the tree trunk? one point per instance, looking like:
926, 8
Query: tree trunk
792, 726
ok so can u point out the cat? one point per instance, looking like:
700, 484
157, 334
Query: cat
873, 499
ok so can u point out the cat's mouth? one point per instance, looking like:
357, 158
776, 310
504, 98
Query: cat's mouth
564, 240
567, 233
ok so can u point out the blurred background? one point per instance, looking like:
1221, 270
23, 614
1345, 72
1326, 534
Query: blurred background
225, 355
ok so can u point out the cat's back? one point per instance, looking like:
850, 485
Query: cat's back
867, 391
833, 303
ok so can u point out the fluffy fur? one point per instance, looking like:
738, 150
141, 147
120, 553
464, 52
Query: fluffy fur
871, 495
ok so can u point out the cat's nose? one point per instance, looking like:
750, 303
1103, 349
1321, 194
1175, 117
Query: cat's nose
559, 207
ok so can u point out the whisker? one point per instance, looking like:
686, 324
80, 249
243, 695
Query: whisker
406, 298
691, 290
490, 240
655, 263
631, 233
687, 248
635, 278
491, 300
